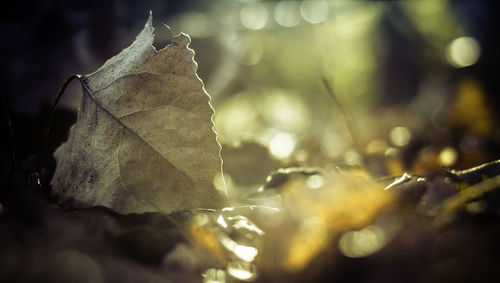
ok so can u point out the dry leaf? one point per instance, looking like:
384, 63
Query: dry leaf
144, 138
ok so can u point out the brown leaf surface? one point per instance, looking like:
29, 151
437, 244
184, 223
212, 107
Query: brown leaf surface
144, 138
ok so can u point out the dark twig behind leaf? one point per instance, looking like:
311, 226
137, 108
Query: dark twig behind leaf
46, 133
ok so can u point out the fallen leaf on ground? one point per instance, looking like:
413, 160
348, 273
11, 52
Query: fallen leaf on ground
144, 138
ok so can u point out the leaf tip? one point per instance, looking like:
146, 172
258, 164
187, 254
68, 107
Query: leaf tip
149, 22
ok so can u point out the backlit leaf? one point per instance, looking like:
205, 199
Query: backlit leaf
144, 138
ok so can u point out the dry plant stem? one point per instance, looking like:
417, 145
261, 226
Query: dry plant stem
172, 34
46, 133
12, 140
470, 193
346, 115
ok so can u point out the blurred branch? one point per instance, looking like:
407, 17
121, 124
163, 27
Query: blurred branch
470, 193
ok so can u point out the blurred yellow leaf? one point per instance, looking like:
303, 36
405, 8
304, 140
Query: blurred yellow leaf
324, 206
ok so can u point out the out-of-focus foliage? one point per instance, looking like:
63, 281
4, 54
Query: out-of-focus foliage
410, 64
316, 209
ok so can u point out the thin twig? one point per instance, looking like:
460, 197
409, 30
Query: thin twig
351, 129
168, 27
49, 122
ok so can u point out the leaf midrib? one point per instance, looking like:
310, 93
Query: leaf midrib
84, 84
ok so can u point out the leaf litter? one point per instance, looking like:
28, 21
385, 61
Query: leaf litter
127, 221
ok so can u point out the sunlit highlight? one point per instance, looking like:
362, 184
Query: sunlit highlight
286, 13
241, 270
362, 243
400, 136
254, 16
448, 156
282, 145
285, 111
213, 275
221, 221
315, 182
241, 222
236, 117
245, 253
352, 158
201, 219
463, 52
314, 12
223, 183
